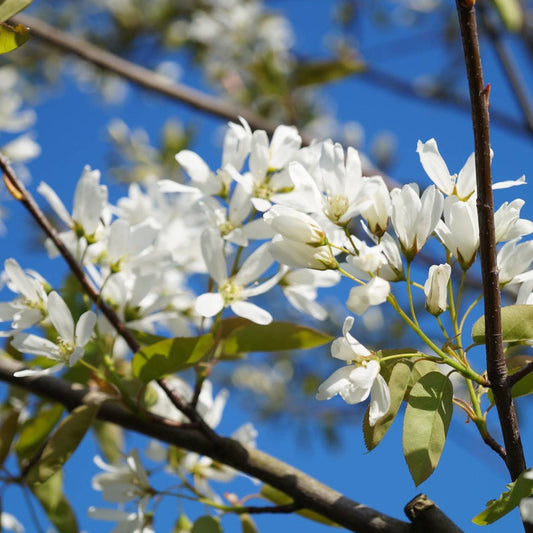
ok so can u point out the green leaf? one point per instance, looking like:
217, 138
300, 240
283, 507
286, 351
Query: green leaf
8, 8
511, 13
248, 524
110, 438
398, 381
146, 339
324, 71
280, 498
421, 367
63, 443
53, 501
12, 37
35, 430
274, 337
169, 356
207, 524
517, 324
508, 500
427, 418
182, 525
8, 430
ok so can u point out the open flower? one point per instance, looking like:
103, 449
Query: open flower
235, 290
69, 347
375, 292
357, 380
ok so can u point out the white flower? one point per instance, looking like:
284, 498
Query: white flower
375, 292
368, 259
134, 522
508, 223
378, 213
415, 218
235, 290
31, 306
436, 288
10, 523
356, 381
299, 255
393, 270
514, 259
69, 347
462, 185
460, 230
295, 225
90, 201
122, 483
300, 288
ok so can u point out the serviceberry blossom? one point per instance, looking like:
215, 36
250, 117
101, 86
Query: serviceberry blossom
514, 259
300, 255
375, 292
295, 226
436, 288
414, 218
30, 307
71, 340
357, 380
462, 185
233, 291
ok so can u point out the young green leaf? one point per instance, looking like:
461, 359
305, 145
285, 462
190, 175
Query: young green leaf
110, 438
12, 37
274, 337
280, 498
320, 72
508, 500
56, 506
8, 8
511, 13
248, 524
63, 443
206, 524
36, 429
517, 324
8, 430
398, 381
427, 418
169, 356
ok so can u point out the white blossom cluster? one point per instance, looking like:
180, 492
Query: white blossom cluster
274, 216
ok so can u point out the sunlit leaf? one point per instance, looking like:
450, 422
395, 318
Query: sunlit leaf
280, 498
427, 418
274, 337
248, 524
12, 37
169, 356
508, 500
8, 8
50, 496
517, 324
207, 524
110, 438
320, 72
398, 382
63, 443
35, 430
8, 430
182, 525
511, 13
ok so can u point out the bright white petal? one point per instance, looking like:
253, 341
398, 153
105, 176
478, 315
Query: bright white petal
252, 312
84, 328
380, 400
61, 317
209, 304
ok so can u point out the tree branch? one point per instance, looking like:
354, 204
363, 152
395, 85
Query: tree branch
306, 491
496, 367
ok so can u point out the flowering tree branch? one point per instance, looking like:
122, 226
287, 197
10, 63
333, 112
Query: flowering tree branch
496, 366
306, 491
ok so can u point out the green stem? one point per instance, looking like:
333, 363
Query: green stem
410, 294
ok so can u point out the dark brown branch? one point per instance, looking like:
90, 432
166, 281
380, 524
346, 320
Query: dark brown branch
489, 440
306, 491
269, 509
518, 375
496, 367
427, 517
509, 66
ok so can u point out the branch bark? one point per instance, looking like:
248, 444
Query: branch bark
306, 491
496, 367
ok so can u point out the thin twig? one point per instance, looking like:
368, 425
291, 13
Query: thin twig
496, 367
519, 374
19, 191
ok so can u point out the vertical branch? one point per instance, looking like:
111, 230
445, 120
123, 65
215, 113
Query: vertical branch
496, 367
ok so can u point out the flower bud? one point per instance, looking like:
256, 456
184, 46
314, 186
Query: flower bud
436, 288
300, 255
295, 225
